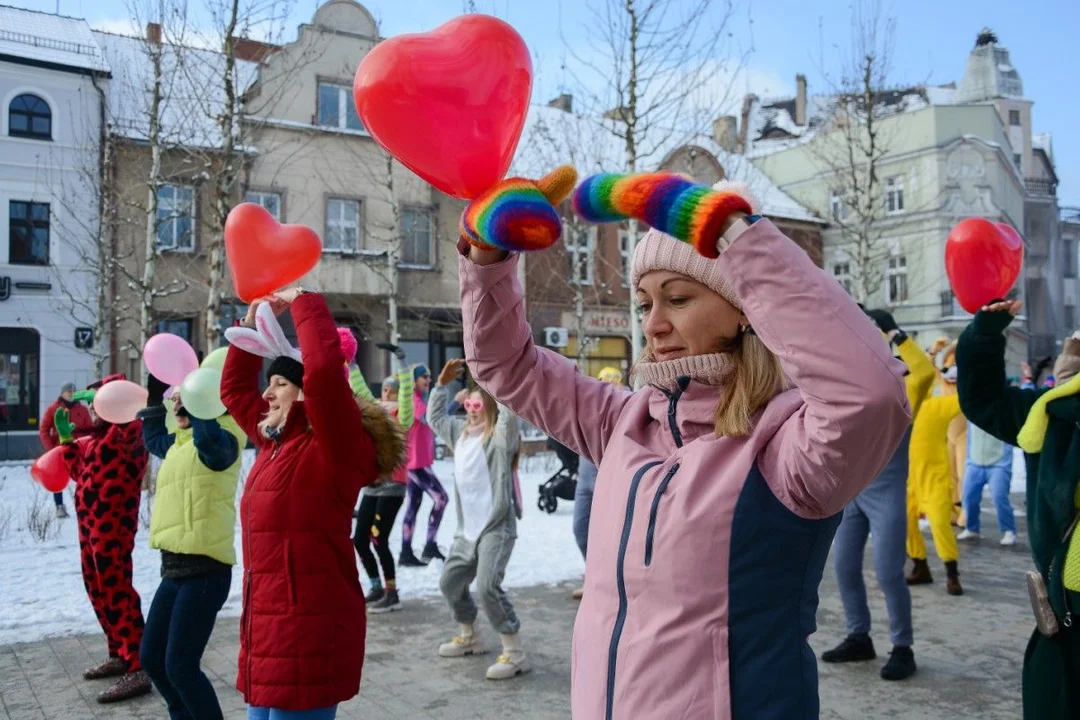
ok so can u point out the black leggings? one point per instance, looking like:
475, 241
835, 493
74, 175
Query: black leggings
374, 520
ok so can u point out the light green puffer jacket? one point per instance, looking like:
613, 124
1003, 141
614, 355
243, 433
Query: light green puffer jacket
195, 507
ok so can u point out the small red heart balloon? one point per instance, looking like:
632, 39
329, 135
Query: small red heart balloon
983, 260
265, 255
50, 470
449, 104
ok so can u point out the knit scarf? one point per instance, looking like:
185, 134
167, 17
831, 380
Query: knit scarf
1033, 433
710, 369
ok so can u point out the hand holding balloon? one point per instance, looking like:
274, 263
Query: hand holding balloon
265, 255
983, 260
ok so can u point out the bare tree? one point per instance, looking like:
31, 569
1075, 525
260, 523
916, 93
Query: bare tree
656, 76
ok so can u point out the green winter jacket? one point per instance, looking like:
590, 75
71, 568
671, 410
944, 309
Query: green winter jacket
987, 401
194, 506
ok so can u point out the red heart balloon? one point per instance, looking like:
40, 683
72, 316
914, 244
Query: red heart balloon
983, 260
449, 104
50, 470
265, 255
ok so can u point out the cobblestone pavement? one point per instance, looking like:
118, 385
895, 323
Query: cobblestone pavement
969, 651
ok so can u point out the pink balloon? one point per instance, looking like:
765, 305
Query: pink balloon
118, 401
169, 358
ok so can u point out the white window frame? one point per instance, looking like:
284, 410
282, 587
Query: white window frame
896, 267
894, 195
841, 270
341, 223
345, 98
624, 253
259, 197
837, 206
430, 215
173, 217
587, 253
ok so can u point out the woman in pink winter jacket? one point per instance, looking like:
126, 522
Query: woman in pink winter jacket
769, 401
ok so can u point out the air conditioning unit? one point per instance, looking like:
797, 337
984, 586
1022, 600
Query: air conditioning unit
556, 337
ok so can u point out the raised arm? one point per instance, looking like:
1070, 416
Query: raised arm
406, 399
537, 384
921, 373
218, 449
335, 418
359, 385
240, 391
856, 407
156, 436
445, 427
985, 396
508, 429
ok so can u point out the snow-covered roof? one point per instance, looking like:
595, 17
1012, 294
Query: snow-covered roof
49, 38
553, 137
193, 96
1044, 142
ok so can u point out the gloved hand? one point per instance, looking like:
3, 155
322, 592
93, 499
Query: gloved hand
394, 349
519, 215
452, 371
86, 396
155, 390
884, 320
65, 430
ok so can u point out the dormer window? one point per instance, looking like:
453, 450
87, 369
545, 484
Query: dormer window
30, 117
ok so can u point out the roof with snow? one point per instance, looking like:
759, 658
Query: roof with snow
553, 137
48, 38
193, 96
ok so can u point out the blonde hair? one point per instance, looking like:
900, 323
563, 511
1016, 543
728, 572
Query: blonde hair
490, 411
756, 378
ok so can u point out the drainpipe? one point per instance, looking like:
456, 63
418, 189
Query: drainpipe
105, 180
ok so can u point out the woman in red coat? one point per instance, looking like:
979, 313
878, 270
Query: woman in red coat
303, 625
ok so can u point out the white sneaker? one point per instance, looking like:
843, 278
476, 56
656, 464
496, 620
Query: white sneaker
966, 534
509, 665
468, 642
1009, 538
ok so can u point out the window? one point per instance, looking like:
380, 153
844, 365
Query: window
19, 380
842, 272
176, 218
1017, 160
418, 248
30, 117
579, 255
269, 200
176, 326
626, 256
836, 205
896, 280
894, 194
1070, 257
1014, 117
28, 233
336, 107
342, 226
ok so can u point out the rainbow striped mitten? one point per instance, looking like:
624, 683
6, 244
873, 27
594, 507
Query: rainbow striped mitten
668, 202
518, 214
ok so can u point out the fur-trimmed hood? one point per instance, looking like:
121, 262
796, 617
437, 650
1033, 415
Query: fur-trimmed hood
388, 436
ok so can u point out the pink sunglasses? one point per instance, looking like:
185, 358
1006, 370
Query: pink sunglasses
473, 405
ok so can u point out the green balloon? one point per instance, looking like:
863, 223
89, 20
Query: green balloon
201, 393
216, 359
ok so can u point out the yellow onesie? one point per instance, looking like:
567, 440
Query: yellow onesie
930, 483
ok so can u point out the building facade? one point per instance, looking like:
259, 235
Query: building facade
52, 83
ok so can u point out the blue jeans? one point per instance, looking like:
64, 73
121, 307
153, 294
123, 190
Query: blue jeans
261, 713
58, 498
881, 510
999, 476
586, 483
178, 627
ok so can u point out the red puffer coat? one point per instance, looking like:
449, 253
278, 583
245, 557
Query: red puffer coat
303, 625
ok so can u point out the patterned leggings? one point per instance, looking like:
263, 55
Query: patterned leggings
422, 481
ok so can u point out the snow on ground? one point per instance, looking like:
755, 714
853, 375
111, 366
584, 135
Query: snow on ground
41, 589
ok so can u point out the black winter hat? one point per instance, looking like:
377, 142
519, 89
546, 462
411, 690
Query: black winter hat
286, 367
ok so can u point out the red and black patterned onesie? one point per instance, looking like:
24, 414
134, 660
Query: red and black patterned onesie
108, 468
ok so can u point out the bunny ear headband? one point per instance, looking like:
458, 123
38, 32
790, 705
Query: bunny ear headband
266, 340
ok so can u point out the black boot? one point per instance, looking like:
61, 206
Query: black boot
407, 559
901, 664
952, 581
920, 573
431, 552
375, 595
855, 647
389, 603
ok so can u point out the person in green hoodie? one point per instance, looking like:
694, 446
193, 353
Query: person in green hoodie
1045, 424
193, 523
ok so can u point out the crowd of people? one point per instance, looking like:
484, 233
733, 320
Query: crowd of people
771, 424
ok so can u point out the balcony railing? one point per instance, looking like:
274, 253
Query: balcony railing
1041, 186
1069, 214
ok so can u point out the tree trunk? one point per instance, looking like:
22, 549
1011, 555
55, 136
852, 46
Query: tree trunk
630, 115
579, 300
146, 310
105, 259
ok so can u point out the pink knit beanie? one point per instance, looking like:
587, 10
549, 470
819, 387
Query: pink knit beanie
660, 251
349, 345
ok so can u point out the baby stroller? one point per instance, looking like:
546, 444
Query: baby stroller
563, 483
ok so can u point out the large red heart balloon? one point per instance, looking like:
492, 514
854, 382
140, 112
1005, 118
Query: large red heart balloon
50, 470
265, 255
983, 260
449, 104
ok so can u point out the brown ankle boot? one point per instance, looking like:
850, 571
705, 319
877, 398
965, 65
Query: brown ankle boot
920, 573
131, 685
952, 582
113, 667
